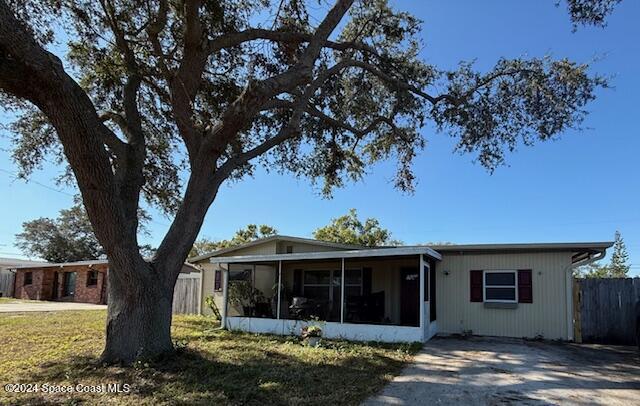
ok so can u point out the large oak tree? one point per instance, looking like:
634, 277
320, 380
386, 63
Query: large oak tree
164, 100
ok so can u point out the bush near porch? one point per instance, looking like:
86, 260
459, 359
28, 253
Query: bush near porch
211, 367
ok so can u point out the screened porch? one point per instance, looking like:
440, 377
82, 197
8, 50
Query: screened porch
386, 289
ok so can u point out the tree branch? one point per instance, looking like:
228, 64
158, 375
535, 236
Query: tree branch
31, 73
185, 83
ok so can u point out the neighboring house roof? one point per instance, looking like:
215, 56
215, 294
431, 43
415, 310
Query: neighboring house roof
14, 262
360, 253
81, 263
63, 264
287, 238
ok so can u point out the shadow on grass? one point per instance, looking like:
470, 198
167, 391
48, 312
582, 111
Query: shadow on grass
241, 369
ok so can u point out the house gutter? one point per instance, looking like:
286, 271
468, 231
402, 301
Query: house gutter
569, 287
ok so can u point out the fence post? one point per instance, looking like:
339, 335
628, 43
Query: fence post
577, 322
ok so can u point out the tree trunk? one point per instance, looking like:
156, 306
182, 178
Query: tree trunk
138, 315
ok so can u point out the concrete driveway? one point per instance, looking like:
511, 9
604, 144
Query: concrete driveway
42, 306
493, 371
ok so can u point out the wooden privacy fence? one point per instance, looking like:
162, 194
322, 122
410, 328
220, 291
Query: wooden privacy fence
186, 294
605, 310
6, 283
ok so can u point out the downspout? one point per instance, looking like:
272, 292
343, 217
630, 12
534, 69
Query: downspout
569, 287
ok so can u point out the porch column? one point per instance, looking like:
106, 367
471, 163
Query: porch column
225, 292
279, 287
421, 282
342, 293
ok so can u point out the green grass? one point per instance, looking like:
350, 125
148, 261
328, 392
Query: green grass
211, 366
10, 300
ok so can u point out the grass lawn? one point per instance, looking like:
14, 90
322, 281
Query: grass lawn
211, 366
10, 300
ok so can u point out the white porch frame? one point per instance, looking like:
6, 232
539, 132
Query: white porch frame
350, 331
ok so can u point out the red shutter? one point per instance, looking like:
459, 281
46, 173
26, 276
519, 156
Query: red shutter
476, 286
217, 283
525, 286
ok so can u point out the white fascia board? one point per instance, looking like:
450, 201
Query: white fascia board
364, 253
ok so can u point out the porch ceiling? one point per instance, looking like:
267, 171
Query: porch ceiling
363, 253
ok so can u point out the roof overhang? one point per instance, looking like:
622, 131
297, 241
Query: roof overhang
575, 247
305, 256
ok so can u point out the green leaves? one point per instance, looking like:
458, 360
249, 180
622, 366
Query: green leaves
590, 12
367, 98
519, 101
65, 239
250, 233
349, 229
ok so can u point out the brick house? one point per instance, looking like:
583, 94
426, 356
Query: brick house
82, 281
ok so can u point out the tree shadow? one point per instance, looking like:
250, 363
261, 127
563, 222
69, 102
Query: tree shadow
259, 375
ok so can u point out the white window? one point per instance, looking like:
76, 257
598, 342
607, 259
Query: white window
501, 286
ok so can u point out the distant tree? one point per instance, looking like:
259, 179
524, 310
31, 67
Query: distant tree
593, 270
250, 233
618, 267
64, 239
203, 246
348, 229
67, 238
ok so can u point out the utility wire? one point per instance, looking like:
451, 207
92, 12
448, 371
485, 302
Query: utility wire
37, 183
62, 191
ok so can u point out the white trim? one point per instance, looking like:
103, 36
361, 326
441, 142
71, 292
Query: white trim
421, 322
553, 246
342, 287
225, 294
346, 331
485, 286
279, 287
364, 253
200, 288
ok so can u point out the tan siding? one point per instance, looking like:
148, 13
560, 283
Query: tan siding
264, 281
546, 316
303, 247
207, 287
266, 248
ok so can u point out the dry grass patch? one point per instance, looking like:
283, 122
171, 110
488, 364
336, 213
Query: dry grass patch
211, 366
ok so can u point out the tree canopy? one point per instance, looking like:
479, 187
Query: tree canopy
349, 229
178, 96
250, 233
67, 238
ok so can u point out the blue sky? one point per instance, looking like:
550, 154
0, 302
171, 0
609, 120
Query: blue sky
582, 187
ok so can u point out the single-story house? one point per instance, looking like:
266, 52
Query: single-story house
7, 273
81, 281
396, 294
